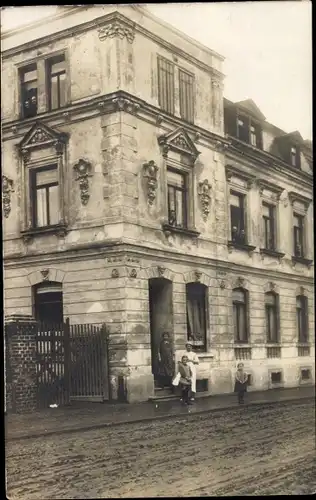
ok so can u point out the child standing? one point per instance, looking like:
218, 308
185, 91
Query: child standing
241, 382
185, 379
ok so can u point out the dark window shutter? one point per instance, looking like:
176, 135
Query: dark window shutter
230, 121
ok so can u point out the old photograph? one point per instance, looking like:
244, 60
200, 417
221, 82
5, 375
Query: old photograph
158, 250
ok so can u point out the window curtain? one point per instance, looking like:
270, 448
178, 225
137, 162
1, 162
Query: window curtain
196, 318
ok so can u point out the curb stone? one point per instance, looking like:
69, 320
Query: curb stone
155, 418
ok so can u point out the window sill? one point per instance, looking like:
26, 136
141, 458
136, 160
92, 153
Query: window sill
204, 355
302, 260
58, 229
272, 253
241, 246
167, 228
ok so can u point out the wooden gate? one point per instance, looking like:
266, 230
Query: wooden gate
72, 363
53, 362
89, 363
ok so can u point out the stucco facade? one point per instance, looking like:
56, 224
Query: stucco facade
113, 237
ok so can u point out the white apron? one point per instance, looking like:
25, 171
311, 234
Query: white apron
192, 356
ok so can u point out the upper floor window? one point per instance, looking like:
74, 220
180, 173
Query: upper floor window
237, 217
302, 318
186, 81
56, 76
166, 85
271, 306
249, 131
196, 298
45, 196
295, 157
298, 234
269, 226
177, 198
240, 301
29, 84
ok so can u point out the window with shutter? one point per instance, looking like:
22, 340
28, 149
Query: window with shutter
186, 82
166, 85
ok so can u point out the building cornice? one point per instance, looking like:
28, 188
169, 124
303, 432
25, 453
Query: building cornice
258, 158
263, 184
101, 22
114, 248
110, 103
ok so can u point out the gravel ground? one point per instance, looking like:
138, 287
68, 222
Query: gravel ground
247, 451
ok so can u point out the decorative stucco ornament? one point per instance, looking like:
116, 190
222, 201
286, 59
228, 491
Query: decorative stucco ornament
83, 171
7, 189
204, 192
197, 275
150, 171
115, 273
117, 29
133, 273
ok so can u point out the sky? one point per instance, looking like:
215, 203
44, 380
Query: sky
267, 46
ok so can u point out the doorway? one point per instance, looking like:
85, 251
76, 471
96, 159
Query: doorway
161, 317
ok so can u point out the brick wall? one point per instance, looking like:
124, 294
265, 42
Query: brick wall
21, 382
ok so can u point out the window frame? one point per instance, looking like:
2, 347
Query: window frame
36, 301
296, 155
205, 312
238, 305
22, 70
301, 230
276, 313
302, 337
184, 192
171, 110
189, 118
48, 72
42, 82
242, 208
34, 188
273, 223
248, 134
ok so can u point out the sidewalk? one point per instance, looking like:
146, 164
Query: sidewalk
84, 416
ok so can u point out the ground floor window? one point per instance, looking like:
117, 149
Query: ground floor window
196, 298
48, 302
240, 314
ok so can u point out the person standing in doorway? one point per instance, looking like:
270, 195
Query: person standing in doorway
241, 382
166, 360
193, 361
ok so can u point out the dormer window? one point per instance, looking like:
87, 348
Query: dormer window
248, 131
295, 157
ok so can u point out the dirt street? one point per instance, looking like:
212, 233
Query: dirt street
247, 451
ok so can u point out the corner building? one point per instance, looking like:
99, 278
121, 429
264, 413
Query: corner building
127, 200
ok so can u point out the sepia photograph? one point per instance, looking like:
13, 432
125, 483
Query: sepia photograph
158, 250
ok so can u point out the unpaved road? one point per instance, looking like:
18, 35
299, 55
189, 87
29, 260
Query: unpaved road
247, 451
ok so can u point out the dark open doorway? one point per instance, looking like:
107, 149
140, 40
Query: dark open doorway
161, 317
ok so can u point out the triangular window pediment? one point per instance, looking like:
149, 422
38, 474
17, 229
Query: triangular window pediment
41, 135
179, 141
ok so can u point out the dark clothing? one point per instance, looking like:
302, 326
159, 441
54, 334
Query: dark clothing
186, 374
241, 382
166, 356
185, 393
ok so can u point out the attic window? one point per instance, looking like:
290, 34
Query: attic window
295, 157
249, 131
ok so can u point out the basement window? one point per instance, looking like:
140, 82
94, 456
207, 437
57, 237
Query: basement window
276, 377
305, 374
